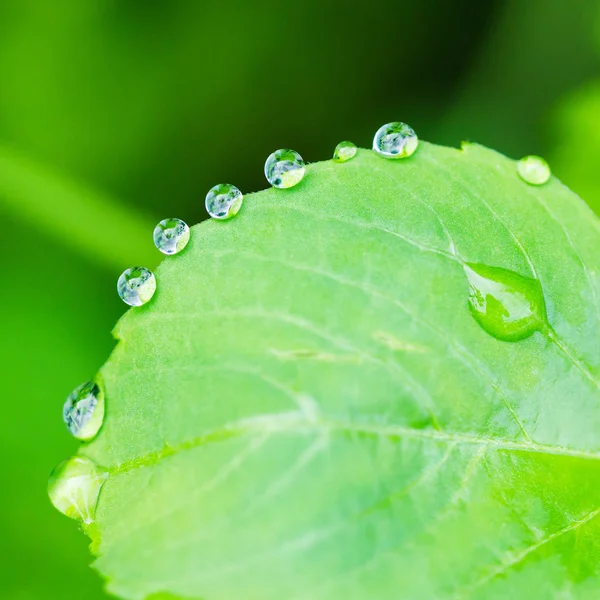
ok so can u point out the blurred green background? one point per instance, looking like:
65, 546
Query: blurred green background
116, 113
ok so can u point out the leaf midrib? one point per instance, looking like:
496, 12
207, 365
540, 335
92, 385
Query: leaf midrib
297, 422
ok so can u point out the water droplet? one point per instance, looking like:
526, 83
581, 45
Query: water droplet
284, 168
344, 151
507, 305
534, 170
83, 411
395, 140
223, 201
171, 236
136, 286
74, 487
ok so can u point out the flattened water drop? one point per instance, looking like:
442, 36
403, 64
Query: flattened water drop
344, 152
223, 201
507, 305
74, 487
83, 411
171, 236
534, 170
136, 286
284, 168
395, 140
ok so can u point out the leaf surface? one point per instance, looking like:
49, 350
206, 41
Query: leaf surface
308, 410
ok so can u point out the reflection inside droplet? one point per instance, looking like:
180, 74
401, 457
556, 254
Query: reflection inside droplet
74, 487
507, 305
284, 168
395, 140
344, 152
83, 411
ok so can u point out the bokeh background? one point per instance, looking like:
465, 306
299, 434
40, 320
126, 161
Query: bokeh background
117, 113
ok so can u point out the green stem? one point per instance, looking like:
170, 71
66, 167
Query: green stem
90, 222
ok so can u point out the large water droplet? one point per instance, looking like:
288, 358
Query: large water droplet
171, 236
223, 201
74, 487
395, 140
534, 170
344, 151
284, 168
83, 411
507, 305
136, 286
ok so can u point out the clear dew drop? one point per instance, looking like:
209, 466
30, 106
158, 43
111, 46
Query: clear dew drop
284, 169
74, 487
171, 236
224, 201
344, 152
83, 411
507, 305
534, 170
395, 140
136, 286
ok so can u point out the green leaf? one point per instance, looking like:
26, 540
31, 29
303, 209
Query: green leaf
309, 410
576, 138
575, 135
